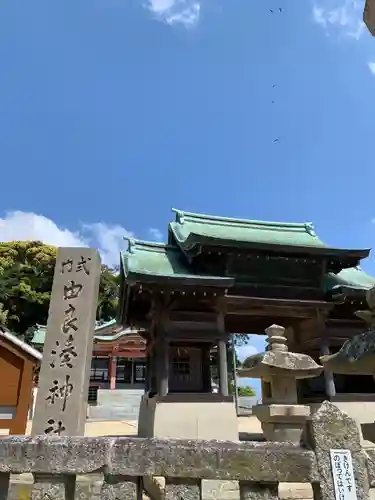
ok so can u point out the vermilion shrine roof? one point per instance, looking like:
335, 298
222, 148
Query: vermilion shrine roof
104, 332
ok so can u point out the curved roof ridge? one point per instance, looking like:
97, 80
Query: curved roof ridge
144, 244
181, 214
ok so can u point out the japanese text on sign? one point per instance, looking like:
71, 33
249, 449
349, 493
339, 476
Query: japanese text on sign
61, 403
60, 392
343, 476
67, 266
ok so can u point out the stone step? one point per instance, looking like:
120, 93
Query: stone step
118, 404
115, 413
119, 397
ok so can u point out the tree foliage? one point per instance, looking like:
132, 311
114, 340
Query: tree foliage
246, 391
26, 275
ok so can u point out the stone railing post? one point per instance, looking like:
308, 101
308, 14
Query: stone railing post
341, 460
61, 402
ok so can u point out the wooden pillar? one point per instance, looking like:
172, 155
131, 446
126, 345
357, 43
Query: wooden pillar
222, 353
223, 367
112, 372
162, 365
330, 388
206, 368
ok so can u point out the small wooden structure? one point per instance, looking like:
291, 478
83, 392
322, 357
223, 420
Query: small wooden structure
17, 363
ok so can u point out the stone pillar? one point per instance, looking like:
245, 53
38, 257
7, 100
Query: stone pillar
112, 372
223, 367
61, 402
162, 365
328, 376
333, 430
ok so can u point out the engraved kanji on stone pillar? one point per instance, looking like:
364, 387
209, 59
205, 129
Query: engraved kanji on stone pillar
61, 402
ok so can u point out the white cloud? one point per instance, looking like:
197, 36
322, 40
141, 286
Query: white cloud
346, 16
30, 226
371, 66
184, 12
109, 239
155, 234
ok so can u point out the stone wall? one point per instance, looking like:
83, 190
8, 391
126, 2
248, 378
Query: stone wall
112, 468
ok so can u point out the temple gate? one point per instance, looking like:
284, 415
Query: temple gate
218, 276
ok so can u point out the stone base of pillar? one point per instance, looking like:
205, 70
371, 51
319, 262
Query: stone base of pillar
282, 422
187, 419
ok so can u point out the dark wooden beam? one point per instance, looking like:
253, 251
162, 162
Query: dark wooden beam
238, 300
254, 306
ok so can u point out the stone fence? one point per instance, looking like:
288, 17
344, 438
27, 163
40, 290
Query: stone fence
263, 470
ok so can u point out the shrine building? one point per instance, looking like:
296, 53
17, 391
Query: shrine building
118, 360
217, 276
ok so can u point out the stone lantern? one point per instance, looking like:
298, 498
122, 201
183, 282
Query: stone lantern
282, 418
369, 16
357, 355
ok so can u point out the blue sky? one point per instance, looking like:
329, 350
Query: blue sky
113, 111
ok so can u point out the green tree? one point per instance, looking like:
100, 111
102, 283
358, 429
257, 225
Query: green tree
109, 290
246, 391
26, 276
26, 273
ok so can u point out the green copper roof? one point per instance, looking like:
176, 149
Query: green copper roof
39, 335
40, 332
152, 262
189, 229
349, 279
116, 336
156, 260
